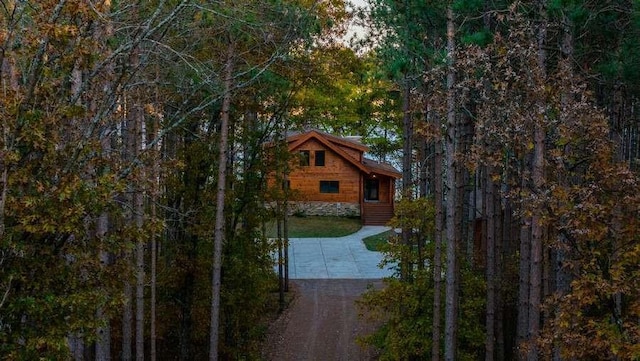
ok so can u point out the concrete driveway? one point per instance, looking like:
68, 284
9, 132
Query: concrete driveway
336, 258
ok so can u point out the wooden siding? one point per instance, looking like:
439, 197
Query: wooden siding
305, 180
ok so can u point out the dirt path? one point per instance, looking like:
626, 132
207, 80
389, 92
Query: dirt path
322, 323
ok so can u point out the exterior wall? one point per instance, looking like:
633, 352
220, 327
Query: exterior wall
305, 180
385, 190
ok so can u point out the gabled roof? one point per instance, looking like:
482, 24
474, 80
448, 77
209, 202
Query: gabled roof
347, 142
381, 168
333, 142
296, 142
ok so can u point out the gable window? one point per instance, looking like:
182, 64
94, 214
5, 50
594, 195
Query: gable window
329, 187
304, 158
319, 162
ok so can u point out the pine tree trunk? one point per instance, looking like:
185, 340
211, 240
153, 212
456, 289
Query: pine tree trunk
491, 262
437, 256
423, 173
220, 196
140, 243
451, 302
279, 222
127, 319
285, 235
523, 285
154, 241
535, 290
103, 338
103, 332
76, 347
9, 81
280, 225
127, 314
501, 238
407, 137
4, 173
76, 341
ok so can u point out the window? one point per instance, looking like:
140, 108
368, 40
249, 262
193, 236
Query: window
319, 158
329, 187
304, 158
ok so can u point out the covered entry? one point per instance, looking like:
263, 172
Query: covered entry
372, 190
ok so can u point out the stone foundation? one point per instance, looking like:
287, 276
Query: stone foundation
324, 209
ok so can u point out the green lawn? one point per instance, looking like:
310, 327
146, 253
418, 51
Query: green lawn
377, 241
316, 226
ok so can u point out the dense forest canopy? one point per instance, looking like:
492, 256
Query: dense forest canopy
133, 191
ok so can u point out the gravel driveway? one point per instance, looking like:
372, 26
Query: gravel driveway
322, 323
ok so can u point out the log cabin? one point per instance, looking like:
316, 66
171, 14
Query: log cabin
331, 176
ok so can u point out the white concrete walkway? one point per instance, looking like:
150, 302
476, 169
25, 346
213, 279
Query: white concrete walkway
343, 257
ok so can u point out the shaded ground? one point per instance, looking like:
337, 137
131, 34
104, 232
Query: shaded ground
322, 323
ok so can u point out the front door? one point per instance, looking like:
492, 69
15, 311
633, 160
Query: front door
371, 189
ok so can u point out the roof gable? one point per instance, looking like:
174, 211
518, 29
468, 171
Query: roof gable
346, 142
330, 144
335, 144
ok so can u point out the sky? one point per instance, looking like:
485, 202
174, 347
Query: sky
359, 2
353, 29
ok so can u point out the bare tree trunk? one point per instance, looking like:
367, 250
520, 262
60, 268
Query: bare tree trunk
451, 306
140, 243
219, 225
437, 256
523, 285
154, 241
282, 250
535, 275
423, 173
76, 341
127, 319
501, 231
285, 235
407, 137
285, 219
4, 173
103, 338
103, 332
76, 346
279, 221
535, 298
562, 275
127, 314
491, 262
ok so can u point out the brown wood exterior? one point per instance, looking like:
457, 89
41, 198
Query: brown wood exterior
305, 179
333, 170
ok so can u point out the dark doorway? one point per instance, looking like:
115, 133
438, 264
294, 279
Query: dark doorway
371, 189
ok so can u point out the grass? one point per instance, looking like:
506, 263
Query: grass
316, 226
377, 242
